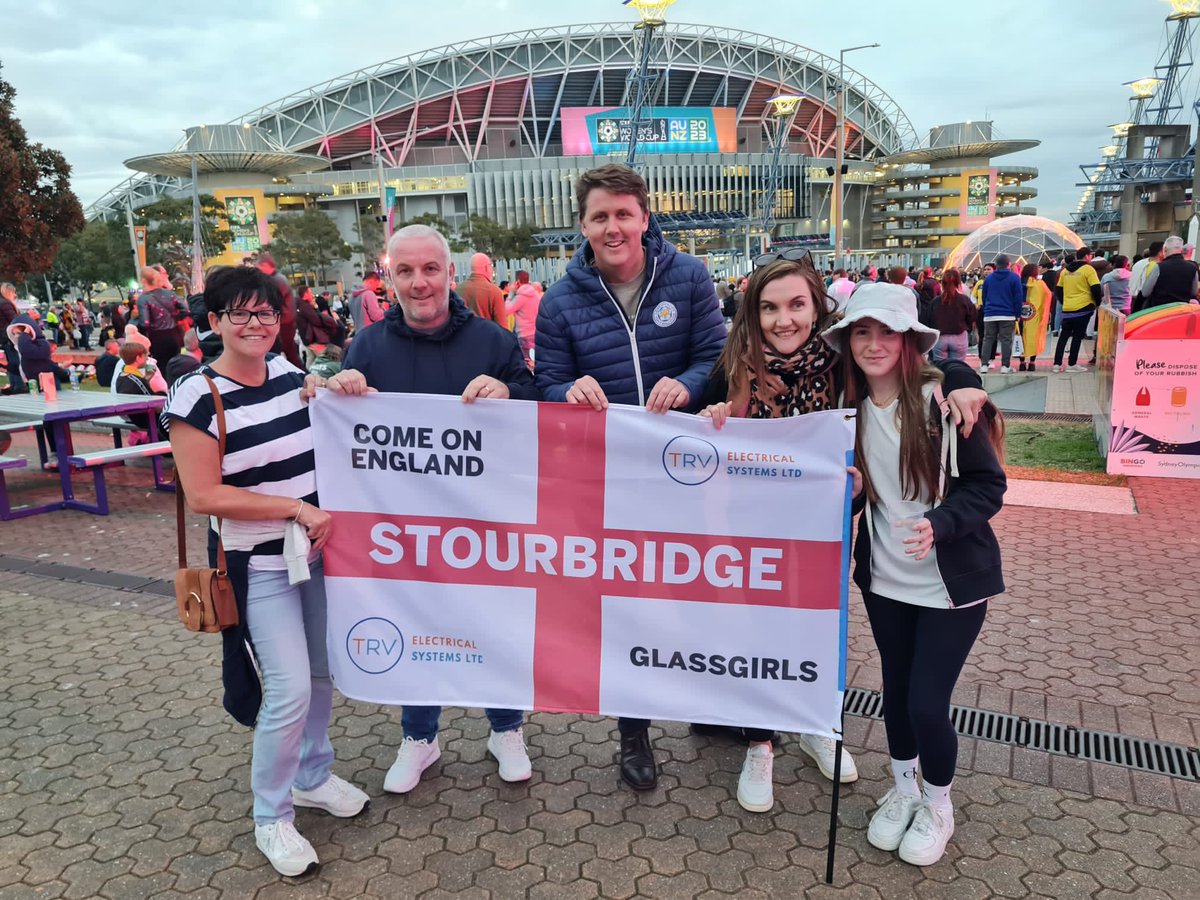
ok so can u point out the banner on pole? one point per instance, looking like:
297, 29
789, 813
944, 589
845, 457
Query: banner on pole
545, 556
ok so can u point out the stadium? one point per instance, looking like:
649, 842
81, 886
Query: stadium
501, 126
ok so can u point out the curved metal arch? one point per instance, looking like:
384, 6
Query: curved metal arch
358, 100
361, 97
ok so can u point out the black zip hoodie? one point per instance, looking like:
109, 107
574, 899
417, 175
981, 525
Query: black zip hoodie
397, 359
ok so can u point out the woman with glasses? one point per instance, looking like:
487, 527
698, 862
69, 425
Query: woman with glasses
776, 365
262, 495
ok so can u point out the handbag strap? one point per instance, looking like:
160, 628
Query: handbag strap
180, 533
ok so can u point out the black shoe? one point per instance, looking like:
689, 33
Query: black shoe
638, 769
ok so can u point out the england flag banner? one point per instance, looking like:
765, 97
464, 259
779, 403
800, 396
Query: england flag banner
546, 556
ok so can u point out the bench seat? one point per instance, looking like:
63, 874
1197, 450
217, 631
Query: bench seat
119, 454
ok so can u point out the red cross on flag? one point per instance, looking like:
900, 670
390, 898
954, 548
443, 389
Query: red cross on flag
546, 556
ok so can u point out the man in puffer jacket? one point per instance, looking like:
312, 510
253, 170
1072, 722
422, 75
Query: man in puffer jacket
633, 321
1003, 297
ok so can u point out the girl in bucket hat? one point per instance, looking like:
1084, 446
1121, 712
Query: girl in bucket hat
926, 559
776, 365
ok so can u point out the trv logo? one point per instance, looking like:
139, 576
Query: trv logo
374, 645
690, 460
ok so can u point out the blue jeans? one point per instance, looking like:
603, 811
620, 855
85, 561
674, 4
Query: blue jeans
950, 346
291, 739
421, 722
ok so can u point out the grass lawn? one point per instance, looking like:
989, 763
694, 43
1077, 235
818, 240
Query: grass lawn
1068, 446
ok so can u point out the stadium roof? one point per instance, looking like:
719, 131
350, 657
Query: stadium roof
449, 96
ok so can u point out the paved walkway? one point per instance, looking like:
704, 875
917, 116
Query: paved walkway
120, 776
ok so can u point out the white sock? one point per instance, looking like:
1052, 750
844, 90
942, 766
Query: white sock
936, 796
905, 773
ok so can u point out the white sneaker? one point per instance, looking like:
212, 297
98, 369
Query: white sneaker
926, 838
983, 369
285, 848
1056, 368
1075, 369
509, 749
891, 820
335, 796
821, 750
413, 758
1006, 370
756, 792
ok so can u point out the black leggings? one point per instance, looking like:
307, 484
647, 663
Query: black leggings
1074, 330
922, 651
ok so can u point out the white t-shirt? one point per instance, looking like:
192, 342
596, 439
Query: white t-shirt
895, 574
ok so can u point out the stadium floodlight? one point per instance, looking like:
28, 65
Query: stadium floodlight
1121, 129
1184, 9
782, 107
651, 11
641, 80
1109, 151
1143, 88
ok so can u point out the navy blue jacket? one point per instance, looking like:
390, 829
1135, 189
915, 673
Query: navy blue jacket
396, 359
582, 329
1003, 294
34, 349
968, 554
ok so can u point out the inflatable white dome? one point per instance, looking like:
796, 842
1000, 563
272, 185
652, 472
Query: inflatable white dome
1021, 238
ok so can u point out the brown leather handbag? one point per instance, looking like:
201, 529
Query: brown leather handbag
204, 596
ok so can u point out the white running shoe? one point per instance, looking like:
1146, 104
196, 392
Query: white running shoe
1056, 368
756, 792
983, 369
821, 750
285, 848
509, 749
337, 797
413, 758
1075, 369
891, 820
1006, 370
926, 838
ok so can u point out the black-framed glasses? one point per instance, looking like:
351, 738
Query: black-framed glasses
792, 254
241, 316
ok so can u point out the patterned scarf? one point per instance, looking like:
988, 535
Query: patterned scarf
792, 385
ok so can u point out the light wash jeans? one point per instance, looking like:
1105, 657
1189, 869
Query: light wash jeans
291, 739
421, 722
950, 346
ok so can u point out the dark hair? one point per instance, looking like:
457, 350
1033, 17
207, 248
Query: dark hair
745, 341
897, 274
1081, 252
132, 351
614, 178
1155, 248
228, 286
1029, 270
951, 285
1119, 262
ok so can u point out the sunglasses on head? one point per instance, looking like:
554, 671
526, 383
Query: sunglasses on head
794, 254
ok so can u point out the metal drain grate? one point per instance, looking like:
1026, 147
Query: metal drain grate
1159, 757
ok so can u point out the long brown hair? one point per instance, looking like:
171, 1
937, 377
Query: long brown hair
920, 467
951, 285
920, 464
745, 341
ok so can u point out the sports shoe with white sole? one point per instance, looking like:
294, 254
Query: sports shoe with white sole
413, 758
821, 750
925, 841
337, 797
509, 749
983, 369
1006, 370
890, 822
756, 792
1056, 368
285, 848
1075, 369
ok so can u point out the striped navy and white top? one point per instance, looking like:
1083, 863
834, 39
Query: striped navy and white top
268, 446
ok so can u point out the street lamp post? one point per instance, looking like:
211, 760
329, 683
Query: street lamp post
835, 202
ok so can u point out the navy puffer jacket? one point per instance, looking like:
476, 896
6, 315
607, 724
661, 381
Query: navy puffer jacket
582, 329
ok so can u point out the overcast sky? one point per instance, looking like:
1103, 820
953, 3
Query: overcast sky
106, 82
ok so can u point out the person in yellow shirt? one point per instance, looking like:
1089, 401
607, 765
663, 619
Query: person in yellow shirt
1079, 290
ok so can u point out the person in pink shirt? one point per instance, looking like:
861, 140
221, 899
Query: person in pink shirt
524, 307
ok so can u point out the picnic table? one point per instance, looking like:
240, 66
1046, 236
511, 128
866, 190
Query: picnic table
57, 416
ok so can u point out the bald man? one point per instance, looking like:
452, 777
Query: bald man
479, 293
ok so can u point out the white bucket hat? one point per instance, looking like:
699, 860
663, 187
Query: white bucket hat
892, 304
